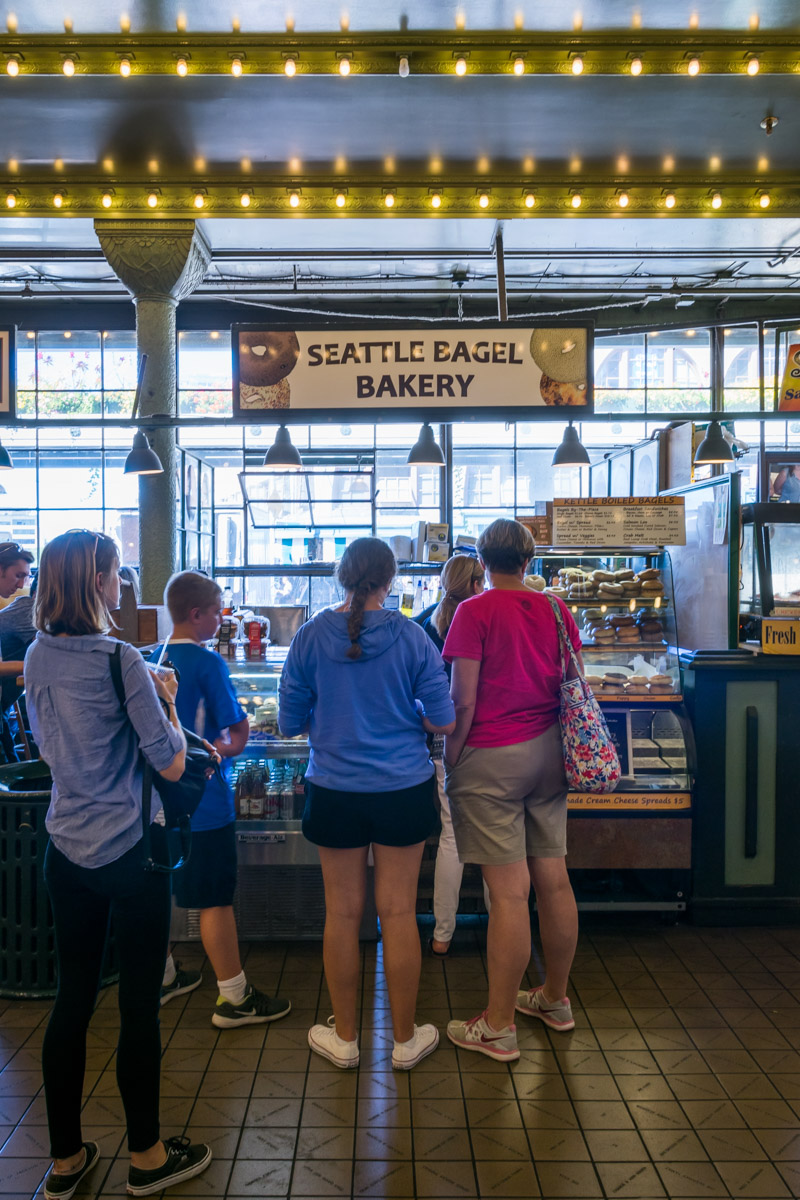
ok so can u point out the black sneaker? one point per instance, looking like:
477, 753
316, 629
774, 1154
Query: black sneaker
184, 1161
256, 1009
62, 1187
184, 981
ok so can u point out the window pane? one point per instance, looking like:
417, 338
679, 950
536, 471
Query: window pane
483, 477
71, 478
403, 522
120, 361
204, 360
230, 538
678, 401
19, 485
483, 433
69, 361
26, 362
619, 402
121, 490
534, 477
473, 521
342, 436
26, 404
51, 524
118, 404
399, 435
204, 403
619, 362
70, 404
679, 359
540, 433
398, 483
123, 527
740, 368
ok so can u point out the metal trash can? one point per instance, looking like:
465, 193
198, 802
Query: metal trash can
27, 950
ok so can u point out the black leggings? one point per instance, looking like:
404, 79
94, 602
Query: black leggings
83, 901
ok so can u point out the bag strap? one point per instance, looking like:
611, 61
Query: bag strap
147, 772
564, 640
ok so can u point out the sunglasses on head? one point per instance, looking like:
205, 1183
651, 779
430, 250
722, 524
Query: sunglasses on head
90, 533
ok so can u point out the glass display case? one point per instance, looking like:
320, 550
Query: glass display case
770, 557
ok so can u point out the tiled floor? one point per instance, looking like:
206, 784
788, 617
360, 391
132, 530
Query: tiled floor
682, 1079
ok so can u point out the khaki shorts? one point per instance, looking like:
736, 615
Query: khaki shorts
510, 802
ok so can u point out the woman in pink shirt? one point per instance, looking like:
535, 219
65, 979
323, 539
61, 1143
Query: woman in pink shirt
504, 777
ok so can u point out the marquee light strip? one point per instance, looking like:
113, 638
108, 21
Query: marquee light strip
514, 53
489, 196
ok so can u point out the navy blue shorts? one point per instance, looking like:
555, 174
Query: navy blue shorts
348, 820
209, 878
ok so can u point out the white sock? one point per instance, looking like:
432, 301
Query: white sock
169, 972
233, 990
410, 1041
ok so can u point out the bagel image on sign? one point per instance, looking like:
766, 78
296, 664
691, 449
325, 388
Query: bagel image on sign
383, 372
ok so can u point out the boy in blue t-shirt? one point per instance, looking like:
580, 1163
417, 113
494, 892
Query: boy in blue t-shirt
206, 703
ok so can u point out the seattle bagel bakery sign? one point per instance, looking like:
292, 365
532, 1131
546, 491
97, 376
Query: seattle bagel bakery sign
435, 372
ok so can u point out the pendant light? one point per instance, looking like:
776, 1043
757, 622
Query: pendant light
6, 463
142, 460
714, 448
425, 452
571, 452
282, 455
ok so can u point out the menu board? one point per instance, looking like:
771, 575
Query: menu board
629, 521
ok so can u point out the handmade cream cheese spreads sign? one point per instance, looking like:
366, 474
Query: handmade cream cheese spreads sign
444, 368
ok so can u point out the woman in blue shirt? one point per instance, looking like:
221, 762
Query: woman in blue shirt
367, 685
94, 867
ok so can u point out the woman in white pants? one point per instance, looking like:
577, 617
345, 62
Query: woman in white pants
462, 577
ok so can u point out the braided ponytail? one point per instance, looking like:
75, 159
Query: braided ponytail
366, 565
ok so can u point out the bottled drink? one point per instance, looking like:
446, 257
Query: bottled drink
272, 802
242, 795
426, 595
419, 603
286, 802
227, 602
257, 796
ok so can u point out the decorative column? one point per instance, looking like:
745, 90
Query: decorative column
159, 262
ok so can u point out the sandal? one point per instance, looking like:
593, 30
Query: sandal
438, 953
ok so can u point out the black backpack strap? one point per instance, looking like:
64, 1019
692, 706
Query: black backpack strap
147, 771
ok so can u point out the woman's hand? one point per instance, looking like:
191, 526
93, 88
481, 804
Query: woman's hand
166, 689
212, 750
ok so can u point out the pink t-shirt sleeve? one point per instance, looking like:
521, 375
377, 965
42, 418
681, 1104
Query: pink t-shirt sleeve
465, 637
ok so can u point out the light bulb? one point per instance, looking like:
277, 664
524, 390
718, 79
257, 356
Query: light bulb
12, 67
530, 200
716, 200
236, 67
623, 200
341, 200
752, 66
152, 200
763, 200
461, 66
388, 199
483, 200
519, 66
290, 67
11, 200
67, 334
294, 200
58, 200
124, 67
694, 66
669, 200
106, 200
403, 69
244, 199
577, 65
182, 67
576, 200
344, 66
436, 200
636, 66
68, 66
199, 200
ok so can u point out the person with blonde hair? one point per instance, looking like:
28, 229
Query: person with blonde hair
94, 867
504, 776
367, 686
462, 576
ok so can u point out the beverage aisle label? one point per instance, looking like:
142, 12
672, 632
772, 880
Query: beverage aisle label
630, 801
632, 521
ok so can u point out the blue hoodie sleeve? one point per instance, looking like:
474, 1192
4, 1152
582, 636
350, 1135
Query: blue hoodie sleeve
296, 696
431, 685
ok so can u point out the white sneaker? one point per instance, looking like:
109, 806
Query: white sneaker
407, 1054
324, 1040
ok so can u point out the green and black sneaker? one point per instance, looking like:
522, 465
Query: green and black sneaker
256, 1009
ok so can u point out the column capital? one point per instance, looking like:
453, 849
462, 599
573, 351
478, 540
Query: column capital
155, 259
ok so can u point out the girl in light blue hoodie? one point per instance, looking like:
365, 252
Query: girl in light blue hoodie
367, 685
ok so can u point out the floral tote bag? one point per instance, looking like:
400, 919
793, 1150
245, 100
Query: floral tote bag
590, 760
